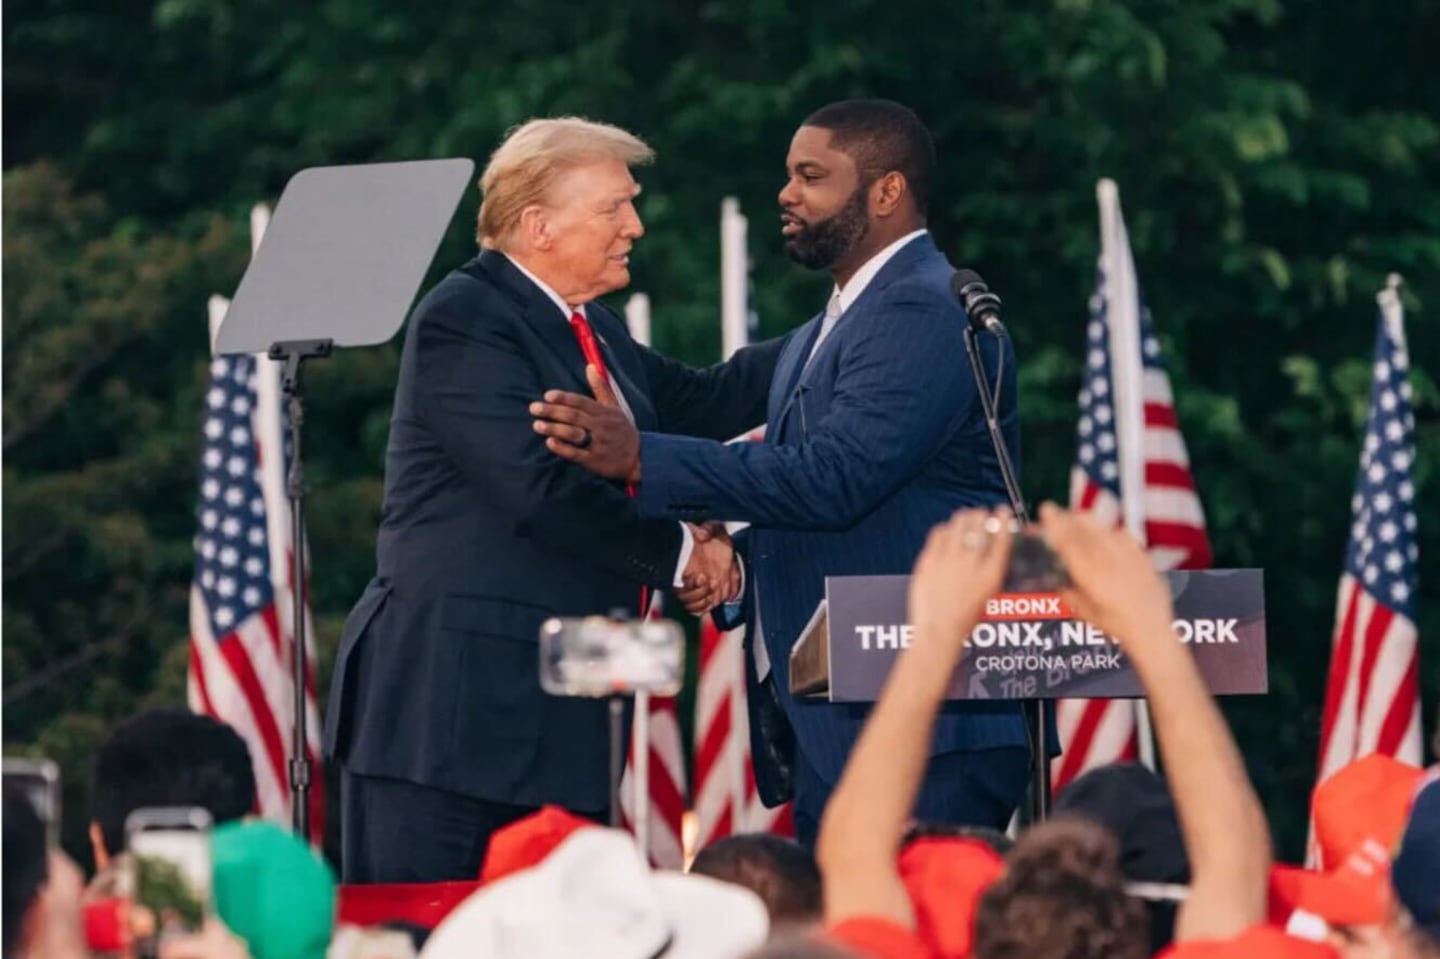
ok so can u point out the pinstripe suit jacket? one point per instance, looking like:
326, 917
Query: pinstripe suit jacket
868, 446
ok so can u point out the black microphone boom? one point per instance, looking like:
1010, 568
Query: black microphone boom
983, 309
981, 306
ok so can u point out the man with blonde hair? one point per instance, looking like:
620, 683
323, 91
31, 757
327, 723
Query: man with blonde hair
436, 715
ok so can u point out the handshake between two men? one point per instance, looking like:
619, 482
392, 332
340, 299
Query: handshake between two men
599, 435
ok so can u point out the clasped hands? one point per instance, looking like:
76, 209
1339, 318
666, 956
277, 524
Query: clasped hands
712, 576
596, 434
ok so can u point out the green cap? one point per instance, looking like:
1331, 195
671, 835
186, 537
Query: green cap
272, 890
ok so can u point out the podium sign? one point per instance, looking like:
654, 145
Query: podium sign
1030, 646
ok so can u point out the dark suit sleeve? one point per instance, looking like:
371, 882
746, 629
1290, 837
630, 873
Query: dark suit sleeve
902, 387
476, 381
719, 402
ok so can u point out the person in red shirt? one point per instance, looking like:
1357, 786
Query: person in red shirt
868, 909
1227, 838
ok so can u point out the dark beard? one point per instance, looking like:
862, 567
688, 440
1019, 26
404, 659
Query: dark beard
820, 246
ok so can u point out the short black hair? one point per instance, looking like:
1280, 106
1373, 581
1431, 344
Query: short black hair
776, 869
26, 866
170, 757
881, 136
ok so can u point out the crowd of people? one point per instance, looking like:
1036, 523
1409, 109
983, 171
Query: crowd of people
1130, 865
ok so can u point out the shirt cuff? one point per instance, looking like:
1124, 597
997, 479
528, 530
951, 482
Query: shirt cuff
687, 546
741, 591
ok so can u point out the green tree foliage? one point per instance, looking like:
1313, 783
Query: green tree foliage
1276, 159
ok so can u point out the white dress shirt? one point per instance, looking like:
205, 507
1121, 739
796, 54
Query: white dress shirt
841, 299
687, 539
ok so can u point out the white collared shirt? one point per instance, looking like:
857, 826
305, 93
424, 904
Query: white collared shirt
687, 539
842, 298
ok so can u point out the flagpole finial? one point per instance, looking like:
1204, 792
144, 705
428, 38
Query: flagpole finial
1390, 295
259, 220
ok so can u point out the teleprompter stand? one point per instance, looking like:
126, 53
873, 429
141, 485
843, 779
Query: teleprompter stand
340, 263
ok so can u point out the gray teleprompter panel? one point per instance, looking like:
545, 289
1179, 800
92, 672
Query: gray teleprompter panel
344, 254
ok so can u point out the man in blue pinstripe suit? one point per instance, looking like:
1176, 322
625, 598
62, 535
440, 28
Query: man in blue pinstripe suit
874, 435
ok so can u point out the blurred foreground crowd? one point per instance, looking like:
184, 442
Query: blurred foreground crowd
1132, 864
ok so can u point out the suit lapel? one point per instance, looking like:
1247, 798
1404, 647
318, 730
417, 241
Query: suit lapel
540, 312
905, 261
787, 373
794, 369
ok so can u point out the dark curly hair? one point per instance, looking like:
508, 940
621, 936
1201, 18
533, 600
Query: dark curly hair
1062, 897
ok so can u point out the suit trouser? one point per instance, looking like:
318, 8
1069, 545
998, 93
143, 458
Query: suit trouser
982, 787
392, 830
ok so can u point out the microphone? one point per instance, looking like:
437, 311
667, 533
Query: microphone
981, 306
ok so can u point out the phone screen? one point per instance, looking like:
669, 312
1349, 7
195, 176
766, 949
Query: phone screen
595, 656
169, 853
39, 781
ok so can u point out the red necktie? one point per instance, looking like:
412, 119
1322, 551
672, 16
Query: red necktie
590, 349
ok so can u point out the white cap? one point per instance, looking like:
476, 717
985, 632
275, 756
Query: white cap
595, 896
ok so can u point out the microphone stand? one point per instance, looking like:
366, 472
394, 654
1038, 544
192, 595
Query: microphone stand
1037, 711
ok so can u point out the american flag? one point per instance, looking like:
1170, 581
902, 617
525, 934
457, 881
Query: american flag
241, 599
1372, 700
1126, 429
661, 780
726, 802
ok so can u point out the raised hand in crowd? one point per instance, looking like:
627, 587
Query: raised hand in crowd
43, 888
963, 564
1226, 835
58, 930
595, 433
1115, 584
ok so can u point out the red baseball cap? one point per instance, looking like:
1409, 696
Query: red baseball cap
1366, 801
946, 876
1359, 815
526, 842
1355, 894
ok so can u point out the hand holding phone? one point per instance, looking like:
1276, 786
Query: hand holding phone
170, 873
39, 781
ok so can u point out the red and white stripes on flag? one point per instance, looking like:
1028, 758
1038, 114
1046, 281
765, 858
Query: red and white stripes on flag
1131, 469
726, 802
658, 777
242, 598
1372, 699
659, 820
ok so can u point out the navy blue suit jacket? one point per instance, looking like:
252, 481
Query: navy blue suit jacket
878, 439
485, 533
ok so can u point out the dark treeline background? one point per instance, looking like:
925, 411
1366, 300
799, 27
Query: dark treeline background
1276, 159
